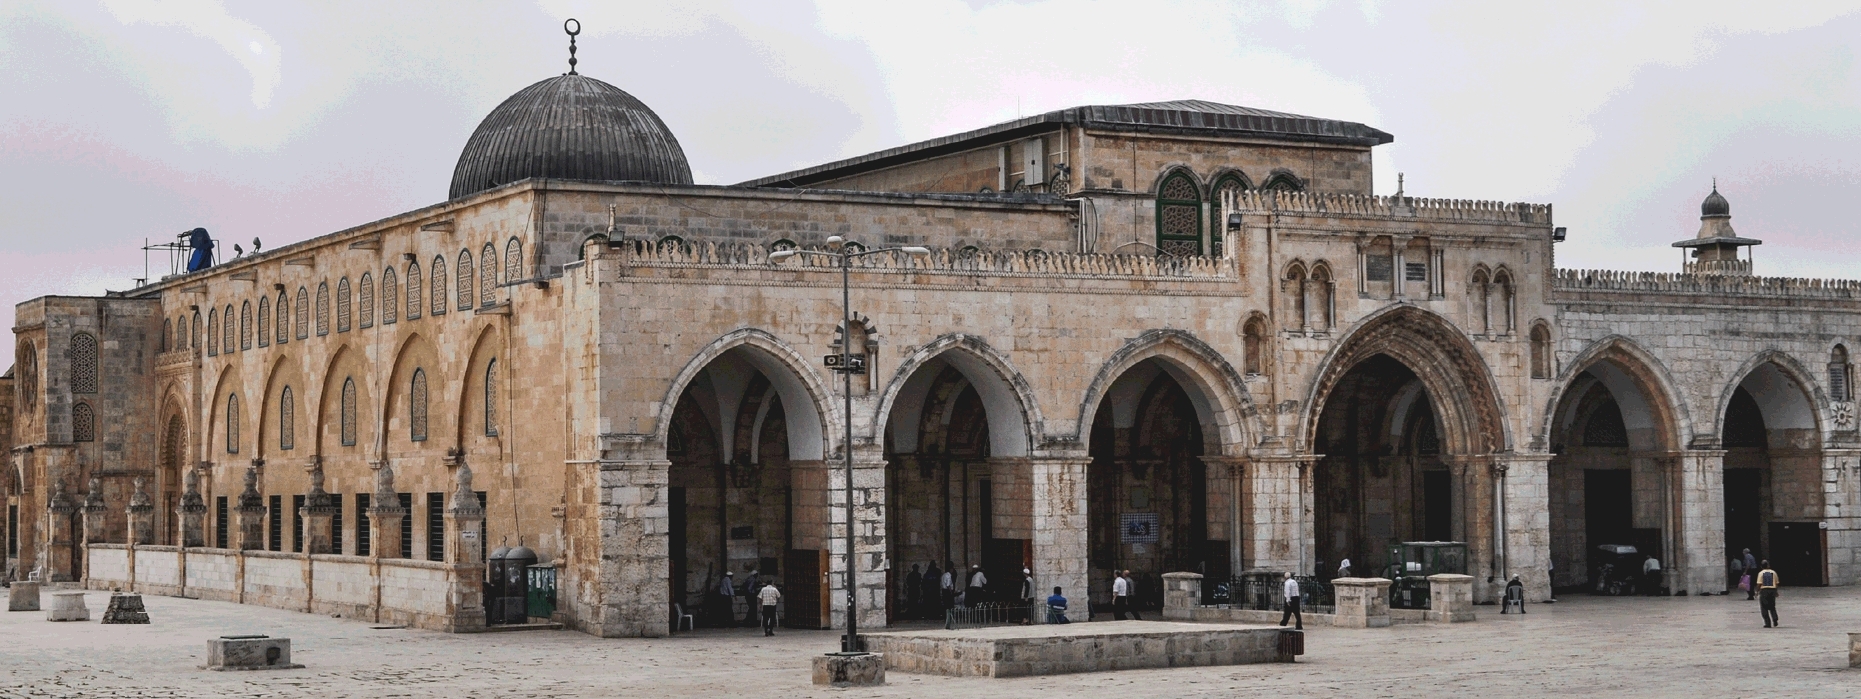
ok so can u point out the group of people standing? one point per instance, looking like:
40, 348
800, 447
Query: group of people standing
931, 591
760, 601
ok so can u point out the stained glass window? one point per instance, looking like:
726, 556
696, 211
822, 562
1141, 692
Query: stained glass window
213, 331
1179, 216
303, 313
513, 260
491, 398
167, 331
226, 330
284, 318
245, 325
416, 406
342, 305
487, 275
83, 355
348, 412
287, 420
367, 300
264, 321
465, 274
83, 423
439, 286
390, 297
232, 423
413, 291
323, 309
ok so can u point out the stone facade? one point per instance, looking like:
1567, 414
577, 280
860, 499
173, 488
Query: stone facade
618, 376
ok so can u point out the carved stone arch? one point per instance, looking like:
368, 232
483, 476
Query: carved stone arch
1294, 270
415, 352
345, 363
280, 373
487, 344
809, 433
1466, 396
1282, 179
1804, 410
213, 424
1221, 176
1654, 389
1173, 169
1222, 402
1016, 426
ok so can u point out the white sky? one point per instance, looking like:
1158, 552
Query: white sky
129, 119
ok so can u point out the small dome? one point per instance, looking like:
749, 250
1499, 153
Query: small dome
1715, 205
571, 127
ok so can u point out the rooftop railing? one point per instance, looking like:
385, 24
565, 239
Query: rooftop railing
675, 253
1392, 206
1662, 282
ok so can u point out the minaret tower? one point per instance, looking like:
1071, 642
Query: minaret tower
1715, 249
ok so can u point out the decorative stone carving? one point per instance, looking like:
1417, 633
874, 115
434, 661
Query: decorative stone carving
252, 511
141, 514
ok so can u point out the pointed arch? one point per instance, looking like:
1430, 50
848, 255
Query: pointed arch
245, 325
513, 260
1506, 313
805, 397
390, 297
341, 409
284, 318
323, 309
438, 280
1784, 389
414, 298
1470, 410
1014, 415
1640, 384
394, 420
1282, 180
264, 320
365, 301
475, 414
343, 311
1841, 375
227, 338
488, 275
466, 272
1179, 213
1217, 391
303, 313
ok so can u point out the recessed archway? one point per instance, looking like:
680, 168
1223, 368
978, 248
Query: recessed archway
1773, 471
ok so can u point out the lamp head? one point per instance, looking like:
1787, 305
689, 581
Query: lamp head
781, 255
916, 251
1234, 221
835, 242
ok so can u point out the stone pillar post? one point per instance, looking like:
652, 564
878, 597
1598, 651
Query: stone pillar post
1276, 509
1361, 602
869, 547
141, 515
465, 523
1841, 468
1450, 597
94, 513
1224, 510
319, 512
1525, 485
251, 511
384, 516
1696, 483
1182, 593
1474, 515
193, 511
57, 555
636, 564
1061, 525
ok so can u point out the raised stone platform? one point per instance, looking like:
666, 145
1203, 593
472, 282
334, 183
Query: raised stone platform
1021, 651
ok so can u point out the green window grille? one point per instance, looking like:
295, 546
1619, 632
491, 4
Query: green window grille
1179, 216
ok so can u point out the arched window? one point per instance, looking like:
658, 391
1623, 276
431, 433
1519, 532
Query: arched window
303, 313
83, 355
1283, 181
83, 423
1502, 283
167, 330
465, 273
390, 297
439, 286
264, 321
491, 398
245, 325
1179, 216
1480, 290
413, 291
287, 420
28, 363
213, 331
1297, 305
226, 330
416, 407
1540, 350
342, 305
232, 423
1225, 186
284, 318
348, 412
1841, 376
366, 302
488, 275
1254, 343
193, 340
513, 260
1322, 311
323, 309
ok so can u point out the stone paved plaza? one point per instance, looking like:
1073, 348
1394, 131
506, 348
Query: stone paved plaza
1579, 647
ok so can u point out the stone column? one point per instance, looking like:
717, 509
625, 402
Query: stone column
1398, 250
141, 515
1361, 602
1696, 482
94, 513
1841, 507
251, 511
636, 561
384, 516
1276, 511
465, 523
1061, 525
1474, 479
1525, 485
869, 547
1224, 510
1182, 593
193, 511
56, 556
319, 512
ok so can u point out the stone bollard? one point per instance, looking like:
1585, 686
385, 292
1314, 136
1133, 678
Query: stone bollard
1450, 597
850, 669
249, 653
1854, 648
1361, 602
1182, 593
24, 597
68, 606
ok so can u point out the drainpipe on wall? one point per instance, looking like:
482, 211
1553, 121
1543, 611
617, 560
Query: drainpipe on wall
1499, 522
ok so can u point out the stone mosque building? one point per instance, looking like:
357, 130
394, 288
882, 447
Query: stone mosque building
1176, 336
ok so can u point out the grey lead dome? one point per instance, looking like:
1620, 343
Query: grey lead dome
569, 127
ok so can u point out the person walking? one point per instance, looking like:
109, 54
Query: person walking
769, 596
1291, 588
1056, 607
1751, 571
1027, 596
947, 585
975, 595
1120, 595
1766, 583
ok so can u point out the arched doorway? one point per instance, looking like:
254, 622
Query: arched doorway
744, 440
1610, 475
1381, 479
1147, 485
958, 487
1773, 476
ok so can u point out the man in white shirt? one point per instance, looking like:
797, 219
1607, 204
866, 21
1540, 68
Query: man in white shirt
977, 581
1121, 596
1291, 588
1651, 575
768, 596
948, 585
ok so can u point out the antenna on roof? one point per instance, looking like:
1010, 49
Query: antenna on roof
572, 33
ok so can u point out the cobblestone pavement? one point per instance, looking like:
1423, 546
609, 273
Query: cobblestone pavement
1642, 647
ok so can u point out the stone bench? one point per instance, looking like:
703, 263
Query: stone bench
23, 597
68, 606
249, 653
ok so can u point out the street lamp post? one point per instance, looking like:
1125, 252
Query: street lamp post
847, 367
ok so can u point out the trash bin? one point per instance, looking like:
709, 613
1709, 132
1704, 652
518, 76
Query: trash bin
540, 603
494, 585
